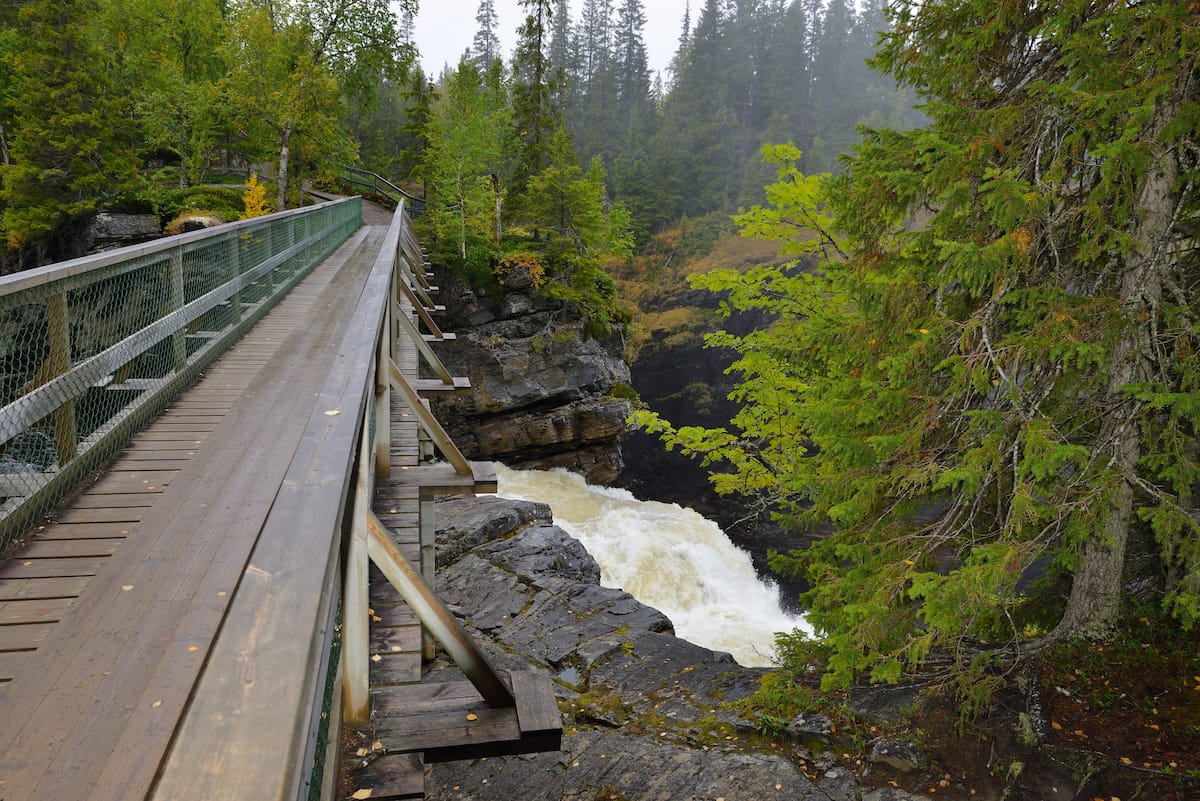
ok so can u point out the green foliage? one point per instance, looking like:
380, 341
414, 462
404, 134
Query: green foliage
964, 387
223, 201
701, 234
535, 82
66, 150
585, 285
623, 391
467, 139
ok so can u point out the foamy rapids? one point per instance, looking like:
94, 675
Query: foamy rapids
668, 557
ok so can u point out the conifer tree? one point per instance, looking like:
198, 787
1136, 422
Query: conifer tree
66, 147
629, 54
564, 59
596, 129
535, 81
486, 46
9, 45
994, 367
419, 96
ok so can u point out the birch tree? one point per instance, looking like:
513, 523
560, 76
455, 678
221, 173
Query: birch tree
291, 61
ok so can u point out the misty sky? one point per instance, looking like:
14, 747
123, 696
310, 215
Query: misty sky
445, 28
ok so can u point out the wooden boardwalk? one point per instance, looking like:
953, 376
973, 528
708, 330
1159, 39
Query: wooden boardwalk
170, 621
179, 509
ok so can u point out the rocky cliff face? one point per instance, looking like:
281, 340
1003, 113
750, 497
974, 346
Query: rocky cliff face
541, 390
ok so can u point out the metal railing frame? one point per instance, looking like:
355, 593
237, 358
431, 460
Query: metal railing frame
295, 242
377, 183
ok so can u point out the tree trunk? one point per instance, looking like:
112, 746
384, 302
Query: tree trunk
285, 147
462, 226
3, 146
1094, 605
496, 192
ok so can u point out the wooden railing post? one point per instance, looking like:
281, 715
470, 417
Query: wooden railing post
59, 331
427, 537
175, 302
356, 631
383, 402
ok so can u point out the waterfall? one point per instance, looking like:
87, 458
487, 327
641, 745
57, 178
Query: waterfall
668, 557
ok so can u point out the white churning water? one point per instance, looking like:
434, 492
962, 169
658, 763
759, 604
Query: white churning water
668, 557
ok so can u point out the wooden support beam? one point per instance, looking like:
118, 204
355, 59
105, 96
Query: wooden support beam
423, 348
447, 721
430, 423
419, 284
420, 309
433, 386
442, 479
434, 616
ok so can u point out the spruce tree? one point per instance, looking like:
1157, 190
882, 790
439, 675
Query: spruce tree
993, 371
535, 81
67, 148
564, 59
486, 46
630, 61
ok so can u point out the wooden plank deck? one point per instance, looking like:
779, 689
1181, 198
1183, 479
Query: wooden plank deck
91, 701
192, 665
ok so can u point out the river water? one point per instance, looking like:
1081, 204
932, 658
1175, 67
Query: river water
668, 557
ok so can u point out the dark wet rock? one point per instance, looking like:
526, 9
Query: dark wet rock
463, 523
810, 725
541, 389
898, 755
884, 701
631, 767
892, 794
650, 716
111, 229
516, 305
838, 784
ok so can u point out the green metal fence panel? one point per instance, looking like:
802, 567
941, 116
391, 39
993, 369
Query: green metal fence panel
92, 348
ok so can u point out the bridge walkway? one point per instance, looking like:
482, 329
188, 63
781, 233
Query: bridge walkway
163, 633
180, 508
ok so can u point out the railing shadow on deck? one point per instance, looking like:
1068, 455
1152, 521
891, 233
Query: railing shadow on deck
91, 349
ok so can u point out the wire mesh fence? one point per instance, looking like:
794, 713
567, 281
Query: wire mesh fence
90, 349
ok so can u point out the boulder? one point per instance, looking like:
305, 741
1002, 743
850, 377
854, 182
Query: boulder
810, 725
111, 229
898, 755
